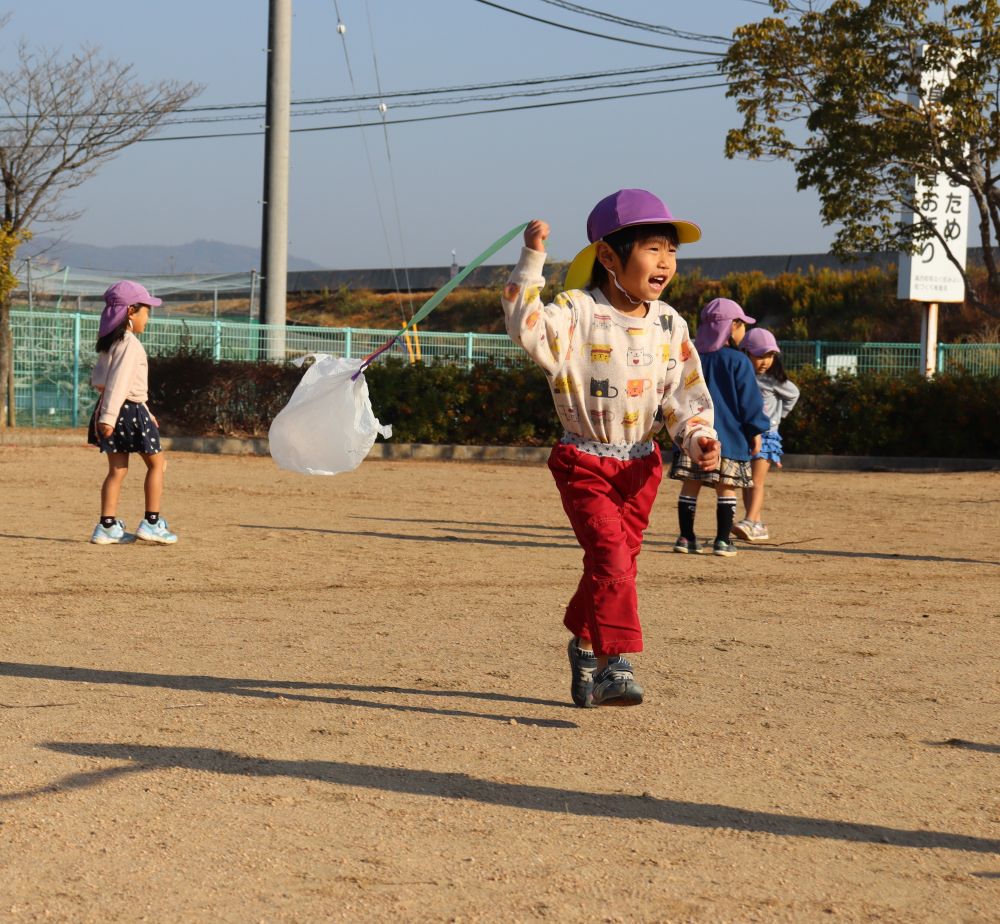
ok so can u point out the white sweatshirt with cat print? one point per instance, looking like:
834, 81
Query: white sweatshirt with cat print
615, 379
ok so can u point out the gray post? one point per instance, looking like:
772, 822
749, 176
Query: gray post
217, 335
33, 351
34, 356
253, 293
929, 340
76, 369
274, 233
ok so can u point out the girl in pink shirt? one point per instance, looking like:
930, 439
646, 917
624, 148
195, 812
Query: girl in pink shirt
121, 423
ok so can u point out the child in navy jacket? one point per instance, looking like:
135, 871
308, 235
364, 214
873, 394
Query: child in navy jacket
739, 421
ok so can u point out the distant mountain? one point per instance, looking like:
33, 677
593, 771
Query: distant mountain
202, 257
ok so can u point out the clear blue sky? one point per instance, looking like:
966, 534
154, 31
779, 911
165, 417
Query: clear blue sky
460, 182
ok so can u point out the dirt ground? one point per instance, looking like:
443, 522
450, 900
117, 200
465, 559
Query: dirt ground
346, 699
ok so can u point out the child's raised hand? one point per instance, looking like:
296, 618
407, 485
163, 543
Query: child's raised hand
535, 234
706, 453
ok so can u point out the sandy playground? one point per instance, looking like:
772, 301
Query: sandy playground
346, 699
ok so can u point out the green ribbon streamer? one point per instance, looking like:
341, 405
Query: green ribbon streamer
427, 307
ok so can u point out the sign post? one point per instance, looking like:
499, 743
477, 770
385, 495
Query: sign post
930, 275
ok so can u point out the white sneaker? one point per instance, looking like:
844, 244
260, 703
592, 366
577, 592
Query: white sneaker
109, 535
155, 532
750, 531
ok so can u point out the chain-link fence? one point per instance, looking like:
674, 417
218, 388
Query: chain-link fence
54, 354
852, 358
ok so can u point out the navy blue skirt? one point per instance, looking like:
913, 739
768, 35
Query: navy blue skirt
134, 431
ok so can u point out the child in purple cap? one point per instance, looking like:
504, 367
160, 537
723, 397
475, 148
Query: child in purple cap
121, 423
739, 419
779, 394
620, 368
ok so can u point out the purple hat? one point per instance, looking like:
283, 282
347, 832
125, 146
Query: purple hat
117, 301
621, 210
716, 324
759, 342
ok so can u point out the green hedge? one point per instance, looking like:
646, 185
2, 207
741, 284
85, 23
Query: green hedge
878, 415
849, 415
193, 396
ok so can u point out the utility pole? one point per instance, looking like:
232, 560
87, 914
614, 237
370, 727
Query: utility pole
274, 233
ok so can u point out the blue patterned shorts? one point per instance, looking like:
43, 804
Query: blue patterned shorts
134, 431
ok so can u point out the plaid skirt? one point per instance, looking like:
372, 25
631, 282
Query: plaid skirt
134, 431
733, 473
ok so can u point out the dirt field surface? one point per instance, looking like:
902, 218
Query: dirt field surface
346, 699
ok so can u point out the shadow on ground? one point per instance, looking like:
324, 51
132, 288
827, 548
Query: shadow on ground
266, 689
439, 784
517, 540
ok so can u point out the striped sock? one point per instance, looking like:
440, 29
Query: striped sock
725, 513
686, 505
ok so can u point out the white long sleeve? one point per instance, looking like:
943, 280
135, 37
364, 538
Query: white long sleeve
614, 378
123, 373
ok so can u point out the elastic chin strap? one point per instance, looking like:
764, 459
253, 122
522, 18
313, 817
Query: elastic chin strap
614, 279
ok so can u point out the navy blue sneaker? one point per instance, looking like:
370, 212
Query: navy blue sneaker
724, 547
582, 665
616, 685
688, 546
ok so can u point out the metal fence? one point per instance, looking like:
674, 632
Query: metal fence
54, 354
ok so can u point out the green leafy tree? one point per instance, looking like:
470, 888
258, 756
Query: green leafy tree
61, 119
835, 88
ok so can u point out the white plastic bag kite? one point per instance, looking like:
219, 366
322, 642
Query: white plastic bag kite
328, 425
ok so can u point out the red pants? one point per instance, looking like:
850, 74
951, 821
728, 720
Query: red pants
608, 503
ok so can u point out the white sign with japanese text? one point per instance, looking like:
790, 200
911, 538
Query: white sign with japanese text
930, 275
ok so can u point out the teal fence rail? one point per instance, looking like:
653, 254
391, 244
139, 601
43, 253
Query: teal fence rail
54, 354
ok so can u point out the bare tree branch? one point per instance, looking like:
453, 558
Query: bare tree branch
61, 120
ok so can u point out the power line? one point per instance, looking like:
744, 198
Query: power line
388, 158
635, 24
419, 103
342, 30
403, 94
611, 38
447, 115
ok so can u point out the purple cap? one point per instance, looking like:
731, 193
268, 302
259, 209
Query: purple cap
759, 342
117, 301
635, 207
716, 324
620, 210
